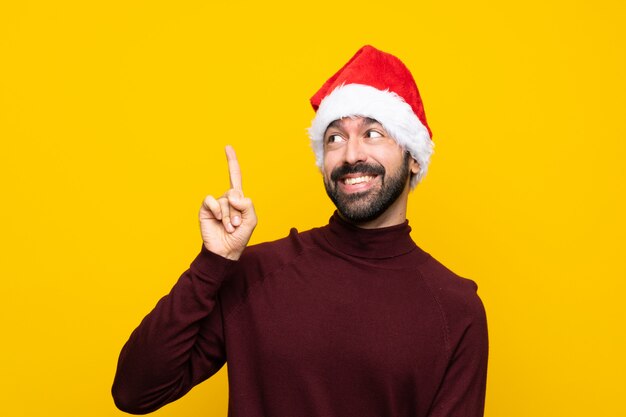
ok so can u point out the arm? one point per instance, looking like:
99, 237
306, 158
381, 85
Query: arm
180, 343
462, 391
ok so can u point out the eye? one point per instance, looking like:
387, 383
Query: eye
334, 138
373, 134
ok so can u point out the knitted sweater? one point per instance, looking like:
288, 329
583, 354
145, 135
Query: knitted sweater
337, 321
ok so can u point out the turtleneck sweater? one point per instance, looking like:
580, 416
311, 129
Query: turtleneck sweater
336, 321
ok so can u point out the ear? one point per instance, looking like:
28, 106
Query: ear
414, 166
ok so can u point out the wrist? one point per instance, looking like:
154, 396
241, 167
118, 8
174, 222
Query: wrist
231, 255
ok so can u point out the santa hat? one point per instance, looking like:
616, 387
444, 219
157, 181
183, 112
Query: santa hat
378, 85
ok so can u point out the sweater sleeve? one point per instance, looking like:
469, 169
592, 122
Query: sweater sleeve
462, 391
178, 344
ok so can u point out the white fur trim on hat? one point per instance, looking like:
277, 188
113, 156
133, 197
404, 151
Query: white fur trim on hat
388, 108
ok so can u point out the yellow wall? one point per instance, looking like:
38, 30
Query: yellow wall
113, 117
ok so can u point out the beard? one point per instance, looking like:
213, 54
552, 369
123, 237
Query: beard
367, 205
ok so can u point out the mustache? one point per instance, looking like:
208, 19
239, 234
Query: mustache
360, 168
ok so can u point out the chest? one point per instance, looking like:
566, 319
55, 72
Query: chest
348, 317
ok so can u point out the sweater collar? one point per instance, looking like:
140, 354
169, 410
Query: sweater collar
384, 242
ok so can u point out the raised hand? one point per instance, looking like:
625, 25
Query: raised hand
226, 223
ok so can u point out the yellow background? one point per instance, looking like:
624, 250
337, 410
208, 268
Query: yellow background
113, 118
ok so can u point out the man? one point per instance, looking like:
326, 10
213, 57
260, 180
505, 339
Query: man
349, 319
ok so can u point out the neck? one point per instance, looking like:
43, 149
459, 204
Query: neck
376, 243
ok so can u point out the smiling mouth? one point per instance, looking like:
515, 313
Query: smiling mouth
357, 180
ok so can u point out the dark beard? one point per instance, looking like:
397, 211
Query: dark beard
367, 205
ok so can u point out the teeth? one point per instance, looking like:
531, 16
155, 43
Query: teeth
357, 180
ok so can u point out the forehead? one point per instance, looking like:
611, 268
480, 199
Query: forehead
359, 120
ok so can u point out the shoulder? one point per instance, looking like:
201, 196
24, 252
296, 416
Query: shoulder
457, 296
442, 279
461, 308
259, 263
267, 256
263, 259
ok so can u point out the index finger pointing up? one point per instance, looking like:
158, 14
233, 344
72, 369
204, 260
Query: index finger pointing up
233, 168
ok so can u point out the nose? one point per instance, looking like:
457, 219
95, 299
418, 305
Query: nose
354, 151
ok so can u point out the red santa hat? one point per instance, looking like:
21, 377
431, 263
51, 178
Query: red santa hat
378, 85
